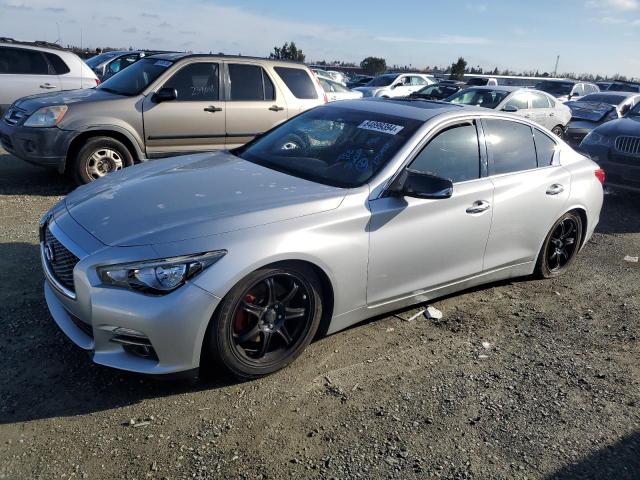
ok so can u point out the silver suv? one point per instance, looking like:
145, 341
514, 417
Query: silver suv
30, 68
160, 106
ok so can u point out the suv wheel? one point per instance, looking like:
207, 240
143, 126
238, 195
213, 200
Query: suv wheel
99, 157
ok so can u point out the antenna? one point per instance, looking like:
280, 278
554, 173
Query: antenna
555, 70
58, 39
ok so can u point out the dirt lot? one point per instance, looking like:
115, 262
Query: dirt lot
528, 379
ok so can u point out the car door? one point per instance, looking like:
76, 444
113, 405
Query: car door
542, 112
521, 102
195, 120
254, 105
417, 244
531, 190
402, 86
23, 72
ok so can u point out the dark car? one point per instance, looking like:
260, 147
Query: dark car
439, 91
615, 146
108, 64
624, 86
359, 81
595, 109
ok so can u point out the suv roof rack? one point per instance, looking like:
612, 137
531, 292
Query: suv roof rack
35, 43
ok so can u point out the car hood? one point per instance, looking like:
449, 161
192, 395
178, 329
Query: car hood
623, 126
590, 111
193, 196
34, 102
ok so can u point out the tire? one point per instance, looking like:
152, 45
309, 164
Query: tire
98, 157
558, 131
236, 337
550, 262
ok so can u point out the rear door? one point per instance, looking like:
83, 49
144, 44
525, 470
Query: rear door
541, 111
531, 190
24, 72
253, 104
195, 121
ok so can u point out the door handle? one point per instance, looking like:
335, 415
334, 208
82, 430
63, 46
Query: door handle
212, 109
276, 108
552, 114
47, 86
555, 189
479, 207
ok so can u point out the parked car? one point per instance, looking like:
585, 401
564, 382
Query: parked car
594, 110
108, 64
337, 91
565, 90
338, 76
359, 81
31, 68
438, 91
615, 146
234, 261
482, 82
392, 85
159, 106
603, 85
535, 105
623, 86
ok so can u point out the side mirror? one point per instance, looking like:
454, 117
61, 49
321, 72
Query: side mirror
510, 109
165, 94
424, 185
625, 109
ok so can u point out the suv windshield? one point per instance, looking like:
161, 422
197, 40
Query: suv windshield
555, 88
382, 81
331, 145
134, 79
484, 97
93, 62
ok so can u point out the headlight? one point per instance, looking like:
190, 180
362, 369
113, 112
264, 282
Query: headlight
46, 116
594, 138
157, 277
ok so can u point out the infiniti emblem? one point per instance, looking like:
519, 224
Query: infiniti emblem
48, 254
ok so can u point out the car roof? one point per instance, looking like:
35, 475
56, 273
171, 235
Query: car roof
175, 56
416, 109
615, 94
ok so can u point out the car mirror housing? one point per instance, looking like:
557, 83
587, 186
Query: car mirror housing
510, 109
165, 94
425, 185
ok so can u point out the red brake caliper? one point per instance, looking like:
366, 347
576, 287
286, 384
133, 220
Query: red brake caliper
241, 320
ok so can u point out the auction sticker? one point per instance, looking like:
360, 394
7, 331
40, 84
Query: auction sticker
162, 63
389, 128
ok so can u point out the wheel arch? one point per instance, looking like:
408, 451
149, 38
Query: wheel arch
122, 136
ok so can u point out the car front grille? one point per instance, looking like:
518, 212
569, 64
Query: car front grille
59, 259
628, 145
14, 115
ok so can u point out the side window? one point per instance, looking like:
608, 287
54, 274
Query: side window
298, 82
339, 88
545, 148
453, 154
578, 90
22, 61
512, 147
196, 82
539, 100
418, 81
57, 63
519, 100
249, 83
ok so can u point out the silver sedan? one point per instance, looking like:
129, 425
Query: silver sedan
234, 261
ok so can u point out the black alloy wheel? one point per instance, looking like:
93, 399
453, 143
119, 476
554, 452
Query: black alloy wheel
560, 247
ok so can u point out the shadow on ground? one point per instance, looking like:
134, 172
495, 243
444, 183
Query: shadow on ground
20, 178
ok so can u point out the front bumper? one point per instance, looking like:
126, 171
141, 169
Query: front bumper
46, 147
173, 325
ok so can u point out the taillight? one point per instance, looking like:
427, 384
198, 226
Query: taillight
600, 175
97, 82
324, 94
326, 99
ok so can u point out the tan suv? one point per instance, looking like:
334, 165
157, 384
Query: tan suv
160, 106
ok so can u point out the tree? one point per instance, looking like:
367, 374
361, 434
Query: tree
373, 65
458, 69
288, 51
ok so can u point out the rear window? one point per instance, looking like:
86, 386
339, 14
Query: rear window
57, 63
298, 81
249, 82
22, 61
545, 148
511, 146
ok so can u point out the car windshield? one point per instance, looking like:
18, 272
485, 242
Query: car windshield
382, 81
555, 88
478, 97
93, 62
134, 79
599, 98
332, 145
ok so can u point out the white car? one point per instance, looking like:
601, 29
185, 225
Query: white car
391, 85
338, 76
30, 68
336, 91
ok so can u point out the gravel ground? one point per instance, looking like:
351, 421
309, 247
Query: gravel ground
525, 379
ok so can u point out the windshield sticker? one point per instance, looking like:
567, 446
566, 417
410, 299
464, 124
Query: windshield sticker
162, 63
380, 127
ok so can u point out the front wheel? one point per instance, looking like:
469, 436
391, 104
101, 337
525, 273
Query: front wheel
560, 247
99, 157
264, 322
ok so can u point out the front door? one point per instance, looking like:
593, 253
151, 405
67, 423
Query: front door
417, 244
254, 104
195, 120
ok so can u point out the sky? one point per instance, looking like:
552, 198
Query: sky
594, 36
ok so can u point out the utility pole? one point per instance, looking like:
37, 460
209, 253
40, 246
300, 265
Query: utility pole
555, 70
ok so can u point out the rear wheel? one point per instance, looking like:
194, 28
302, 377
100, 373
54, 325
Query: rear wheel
264, 322
99, 157
558, 130
560, 247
